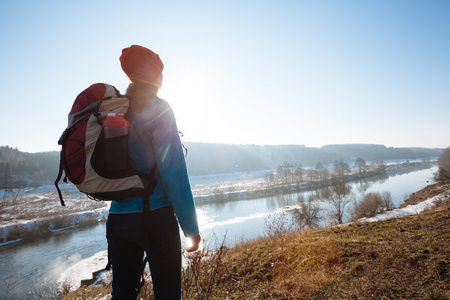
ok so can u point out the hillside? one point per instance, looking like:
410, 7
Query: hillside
36, 169
396, 258
220, 158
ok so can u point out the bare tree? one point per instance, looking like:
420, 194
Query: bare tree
337, 169
312, 175
319, 167
269, 177
309, 214
338, 193
285, 173
322, 171
341, 168
443, 174
298, 173
387, 200
426, 161
361, 164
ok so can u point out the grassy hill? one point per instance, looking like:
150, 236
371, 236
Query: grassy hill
399, 258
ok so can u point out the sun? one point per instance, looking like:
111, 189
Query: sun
192, 100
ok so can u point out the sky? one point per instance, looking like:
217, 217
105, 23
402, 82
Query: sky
238, 72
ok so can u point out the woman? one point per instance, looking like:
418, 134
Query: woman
153, 141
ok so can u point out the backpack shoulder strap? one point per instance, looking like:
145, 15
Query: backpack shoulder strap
62, 142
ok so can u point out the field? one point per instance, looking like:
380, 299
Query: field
29, 213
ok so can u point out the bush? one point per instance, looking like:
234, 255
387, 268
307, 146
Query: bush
279, 225
372, 204
443, 174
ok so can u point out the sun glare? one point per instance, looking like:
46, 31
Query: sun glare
194, 105
189, 244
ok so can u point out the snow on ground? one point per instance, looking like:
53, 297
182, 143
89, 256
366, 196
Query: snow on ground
234, 176
408, 210
32, 211
83, 269
210, 185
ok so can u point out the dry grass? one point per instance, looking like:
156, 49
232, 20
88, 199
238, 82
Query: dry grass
426, 193
89, 292
402, 258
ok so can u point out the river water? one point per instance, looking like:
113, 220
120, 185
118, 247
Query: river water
32, 270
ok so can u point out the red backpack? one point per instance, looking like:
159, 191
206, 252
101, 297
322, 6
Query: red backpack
99, 166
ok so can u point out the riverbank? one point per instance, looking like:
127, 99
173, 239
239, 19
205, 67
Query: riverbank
403, 257
37, 212
260, 187
34, 213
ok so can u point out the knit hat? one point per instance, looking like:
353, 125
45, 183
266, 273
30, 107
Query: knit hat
141, 65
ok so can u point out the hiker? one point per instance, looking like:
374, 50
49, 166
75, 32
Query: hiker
153, 137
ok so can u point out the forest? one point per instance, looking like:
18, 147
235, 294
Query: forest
22, 169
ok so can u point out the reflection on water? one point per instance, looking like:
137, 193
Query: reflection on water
245, 218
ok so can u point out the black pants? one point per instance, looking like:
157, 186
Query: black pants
127, 240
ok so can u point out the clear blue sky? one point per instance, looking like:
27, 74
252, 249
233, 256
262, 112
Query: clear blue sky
243, 72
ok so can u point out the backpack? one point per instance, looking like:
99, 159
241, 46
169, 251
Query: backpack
97, 166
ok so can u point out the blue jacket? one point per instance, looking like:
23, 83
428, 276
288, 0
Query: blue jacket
153, 136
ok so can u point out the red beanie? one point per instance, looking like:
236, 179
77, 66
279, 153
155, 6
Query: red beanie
141, 65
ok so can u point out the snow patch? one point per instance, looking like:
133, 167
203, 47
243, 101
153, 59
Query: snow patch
82, 269
408, 210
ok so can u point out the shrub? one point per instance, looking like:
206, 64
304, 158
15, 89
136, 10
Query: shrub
372, 204
279, 225
443, 174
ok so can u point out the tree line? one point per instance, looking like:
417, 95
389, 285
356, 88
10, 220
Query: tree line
333, 185
207, 158
289, 173
21, 169
34, 169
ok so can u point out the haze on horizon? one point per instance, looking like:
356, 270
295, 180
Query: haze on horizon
275, 72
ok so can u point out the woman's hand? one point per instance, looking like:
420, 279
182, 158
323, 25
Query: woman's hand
195, 243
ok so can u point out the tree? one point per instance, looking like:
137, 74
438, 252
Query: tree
341, 168
298, 173
310, 173
387, 200
378, 166
338, 193
426, 160
285, 173
319, 167
269, 177
308, 215
361, 164
322, 172
337, 169
443, 174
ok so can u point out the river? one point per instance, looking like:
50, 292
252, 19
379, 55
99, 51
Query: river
31, 270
